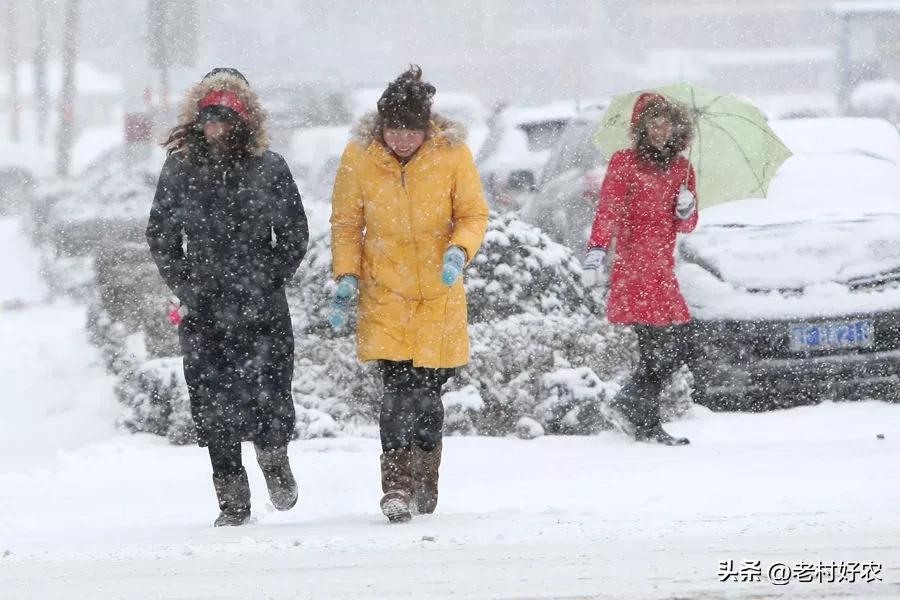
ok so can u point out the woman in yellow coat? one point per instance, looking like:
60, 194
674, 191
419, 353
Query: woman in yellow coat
408, 213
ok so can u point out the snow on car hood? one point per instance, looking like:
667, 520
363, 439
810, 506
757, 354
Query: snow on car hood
827, 219
829, 230
795, 256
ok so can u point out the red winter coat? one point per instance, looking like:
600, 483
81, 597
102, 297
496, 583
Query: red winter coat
637, 208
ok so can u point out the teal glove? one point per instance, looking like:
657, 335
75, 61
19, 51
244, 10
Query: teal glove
454, 261
347, 286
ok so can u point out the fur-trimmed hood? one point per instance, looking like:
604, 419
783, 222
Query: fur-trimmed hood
258, 142
453, 132
650, 105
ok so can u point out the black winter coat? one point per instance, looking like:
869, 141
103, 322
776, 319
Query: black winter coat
226, 236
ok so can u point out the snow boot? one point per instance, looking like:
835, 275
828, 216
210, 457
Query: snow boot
396, 483
425, 465
276, 469
617, 417
233, 493
656, 434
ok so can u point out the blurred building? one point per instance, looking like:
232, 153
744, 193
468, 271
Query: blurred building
759, 47
99, 93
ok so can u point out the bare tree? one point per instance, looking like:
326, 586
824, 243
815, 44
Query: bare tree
67, 96
41, 94
12, 39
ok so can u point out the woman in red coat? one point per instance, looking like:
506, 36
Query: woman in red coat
647, 198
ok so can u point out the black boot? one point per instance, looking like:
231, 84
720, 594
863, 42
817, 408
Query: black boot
618, 416
233, 493
656, 434
280, 480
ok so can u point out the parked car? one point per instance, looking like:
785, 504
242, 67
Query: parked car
304, 105
314, 155
569, 188
517, 147
796, 297
22, 165
15, 187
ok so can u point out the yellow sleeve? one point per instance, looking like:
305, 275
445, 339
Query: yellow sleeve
347, 217
470, 211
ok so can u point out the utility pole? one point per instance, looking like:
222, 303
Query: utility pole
172, 43
12, 39
41, 95
67, 97
160, 55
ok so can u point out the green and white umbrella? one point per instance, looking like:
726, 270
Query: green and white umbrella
734, 152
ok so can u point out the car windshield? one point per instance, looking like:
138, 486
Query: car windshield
574, 150
306, 107
542, 134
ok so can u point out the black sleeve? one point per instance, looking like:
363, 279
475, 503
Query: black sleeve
289, 224
164, 231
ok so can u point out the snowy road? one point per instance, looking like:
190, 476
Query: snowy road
88, 512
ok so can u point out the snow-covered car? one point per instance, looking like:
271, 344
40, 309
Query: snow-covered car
468, 110
314, 155
293, 107
879, 98
517, 147
22, 164
566, 204
796, 297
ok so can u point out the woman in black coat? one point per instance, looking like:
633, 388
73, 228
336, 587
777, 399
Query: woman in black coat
227, 230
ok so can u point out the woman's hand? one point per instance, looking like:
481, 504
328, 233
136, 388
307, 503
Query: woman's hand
686, 204
593, 272
454, 261
347, 287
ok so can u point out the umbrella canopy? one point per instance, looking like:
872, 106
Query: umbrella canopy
734, 152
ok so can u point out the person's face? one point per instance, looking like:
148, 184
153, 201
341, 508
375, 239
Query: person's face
404, 142
218, 133
659, 130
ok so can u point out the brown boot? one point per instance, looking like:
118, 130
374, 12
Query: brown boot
280, 480
425, 465
396, 483
233, 493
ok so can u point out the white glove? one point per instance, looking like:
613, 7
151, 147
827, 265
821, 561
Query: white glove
686, 204
592, 270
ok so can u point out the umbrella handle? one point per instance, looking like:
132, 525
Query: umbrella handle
687, 172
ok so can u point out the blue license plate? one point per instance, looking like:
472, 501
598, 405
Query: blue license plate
832, 336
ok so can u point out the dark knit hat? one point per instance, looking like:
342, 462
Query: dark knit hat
406, 103
226, 71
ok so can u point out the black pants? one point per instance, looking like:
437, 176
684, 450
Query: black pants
662, 352
411, 409
225, 457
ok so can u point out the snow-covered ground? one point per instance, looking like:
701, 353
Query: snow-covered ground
89, 512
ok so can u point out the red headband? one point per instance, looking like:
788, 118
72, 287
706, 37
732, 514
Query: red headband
224, 98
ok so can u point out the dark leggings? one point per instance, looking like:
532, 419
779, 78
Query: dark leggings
662, 352
411, 409
225, 457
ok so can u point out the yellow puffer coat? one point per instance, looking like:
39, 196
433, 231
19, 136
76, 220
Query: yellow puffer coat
390, 226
